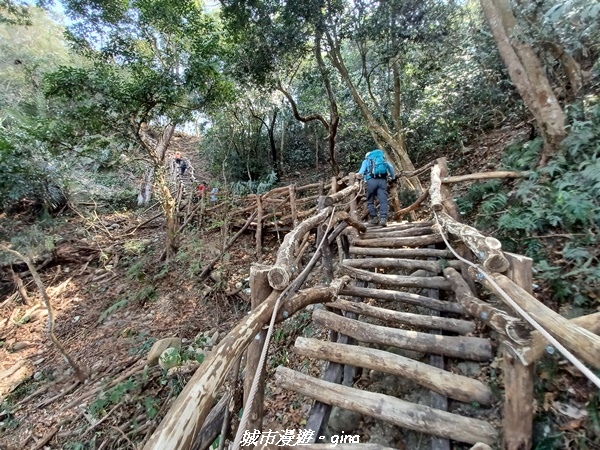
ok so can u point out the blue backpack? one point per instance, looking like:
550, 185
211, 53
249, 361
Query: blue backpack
377, 165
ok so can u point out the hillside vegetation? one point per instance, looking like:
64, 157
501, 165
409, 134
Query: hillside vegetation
97, 97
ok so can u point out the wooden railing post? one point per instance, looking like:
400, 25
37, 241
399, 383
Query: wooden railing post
518, 378
259, 228
259, 292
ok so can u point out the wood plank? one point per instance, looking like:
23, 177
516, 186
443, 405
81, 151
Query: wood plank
380, 233
415, 320
456, 386
390, 409
416, 241
400, 252
406, 297
397, 280
477, 349
401, 263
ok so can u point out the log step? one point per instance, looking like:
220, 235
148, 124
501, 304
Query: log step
412, 299
398, 242
415, 320
477, 349
397, 280
401, 263
385, 407
400, 252
455, 386
381, 233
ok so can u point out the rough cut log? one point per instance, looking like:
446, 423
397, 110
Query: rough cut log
436, 399
390, 409
382, 234
484, 176
352, 222
500, 321
538, 345
415, 241
416, 320
434, 189
176, 431
397, 280
518, 378
577, 339
259, 226
292, 188
406, 225
319, 412
308, 187
477, 349
448, 203
411, 264
401, 252
353, 204
487, 249
285, 268
412, 299
341, 195
455, 386
260, 291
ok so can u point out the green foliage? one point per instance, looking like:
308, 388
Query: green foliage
243, 188
554, 211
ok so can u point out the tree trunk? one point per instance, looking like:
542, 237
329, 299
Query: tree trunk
527, 73
399, 152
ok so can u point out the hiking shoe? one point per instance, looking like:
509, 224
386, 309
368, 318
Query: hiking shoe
383, 222
374, 221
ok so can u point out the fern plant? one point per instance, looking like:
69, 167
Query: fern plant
553, 215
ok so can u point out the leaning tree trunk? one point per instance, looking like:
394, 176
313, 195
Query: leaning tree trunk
527, 73
157, 152
397, 147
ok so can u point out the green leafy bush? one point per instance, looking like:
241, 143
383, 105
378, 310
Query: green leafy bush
553, 215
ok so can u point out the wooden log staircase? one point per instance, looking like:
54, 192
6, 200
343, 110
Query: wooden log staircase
416, 332
409, 286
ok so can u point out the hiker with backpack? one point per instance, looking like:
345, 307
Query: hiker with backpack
181, 164
376, 172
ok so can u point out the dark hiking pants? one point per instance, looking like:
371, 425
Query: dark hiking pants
377, 187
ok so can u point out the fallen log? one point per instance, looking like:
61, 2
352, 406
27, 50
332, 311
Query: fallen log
487, 249
401, 252
415, 320
538, 345
503, 323
285, 268
452, 385
476, 349
188, 412
379, 234
385, 407
412, 299
484, 176
413, 241
577, 339
397, 280
410, 264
